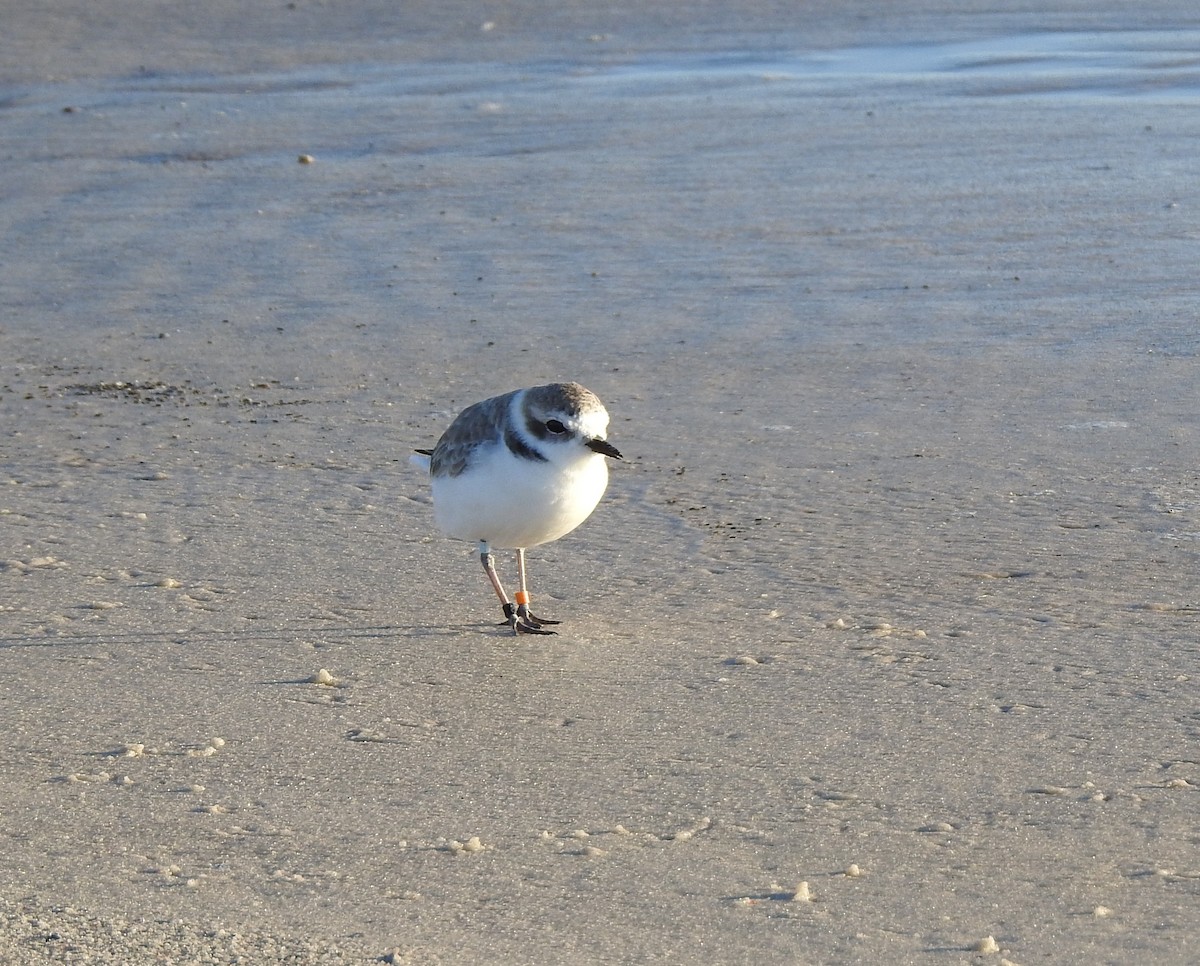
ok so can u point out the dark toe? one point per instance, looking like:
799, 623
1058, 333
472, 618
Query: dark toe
524, 627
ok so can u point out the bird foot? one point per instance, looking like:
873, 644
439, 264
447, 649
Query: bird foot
522, 621
524, 613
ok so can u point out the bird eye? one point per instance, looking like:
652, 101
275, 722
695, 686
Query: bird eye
555, 427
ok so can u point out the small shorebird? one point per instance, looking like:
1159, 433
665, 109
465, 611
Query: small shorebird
519, 470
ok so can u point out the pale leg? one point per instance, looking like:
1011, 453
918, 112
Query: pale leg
523, 612
489, 568
516, 617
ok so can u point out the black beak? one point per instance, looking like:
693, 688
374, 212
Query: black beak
604, 448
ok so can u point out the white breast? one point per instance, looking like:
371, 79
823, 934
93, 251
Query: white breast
512, 502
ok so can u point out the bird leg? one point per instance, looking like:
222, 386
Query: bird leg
523, 611
516, 616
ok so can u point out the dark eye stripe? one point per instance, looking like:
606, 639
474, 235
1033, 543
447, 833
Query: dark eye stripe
539, 429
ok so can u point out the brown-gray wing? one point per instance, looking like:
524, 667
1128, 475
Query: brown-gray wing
478, 424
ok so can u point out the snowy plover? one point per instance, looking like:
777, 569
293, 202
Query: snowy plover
520, 470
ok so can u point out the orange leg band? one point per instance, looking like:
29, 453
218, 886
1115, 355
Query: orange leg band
521, 597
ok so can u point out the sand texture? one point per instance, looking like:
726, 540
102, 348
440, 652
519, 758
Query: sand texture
882, 646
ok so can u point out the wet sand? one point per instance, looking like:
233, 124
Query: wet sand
882, 646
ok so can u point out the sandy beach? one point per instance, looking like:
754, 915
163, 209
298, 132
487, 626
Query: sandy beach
882, 646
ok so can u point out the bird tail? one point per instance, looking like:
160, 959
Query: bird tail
420, 459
